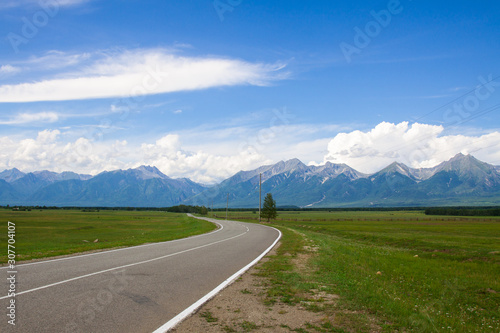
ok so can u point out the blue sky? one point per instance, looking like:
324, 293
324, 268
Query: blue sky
203, 89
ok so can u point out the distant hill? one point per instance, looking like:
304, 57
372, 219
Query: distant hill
463, 180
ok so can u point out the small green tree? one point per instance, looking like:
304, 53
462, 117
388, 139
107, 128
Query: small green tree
269, 209
203, 210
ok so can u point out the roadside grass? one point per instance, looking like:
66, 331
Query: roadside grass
209, 317
348, 215
391, 271
49, 233
285, 284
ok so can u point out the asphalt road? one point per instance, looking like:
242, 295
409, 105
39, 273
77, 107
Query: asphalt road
136, 289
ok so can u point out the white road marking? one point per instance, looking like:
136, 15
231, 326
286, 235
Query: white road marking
115, 250
186, 313
123, 266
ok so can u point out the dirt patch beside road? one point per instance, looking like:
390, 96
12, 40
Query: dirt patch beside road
241, 308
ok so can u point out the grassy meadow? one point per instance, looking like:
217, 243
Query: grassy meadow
388, 270
365, 271
50, 233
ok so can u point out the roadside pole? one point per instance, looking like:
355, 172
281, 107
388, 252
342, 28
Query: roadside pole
260, 194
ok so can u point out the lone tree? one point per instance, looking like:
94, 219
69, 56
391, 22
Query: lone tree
269, 208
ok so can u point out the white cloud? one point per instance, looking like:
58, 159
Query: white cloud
30, 118
168, 155
6, 4
139, 73
115, 108
55, 60
215, 159
71, 2
50, 151
418, 145
47, 136
50, 61
6, 70
281, 139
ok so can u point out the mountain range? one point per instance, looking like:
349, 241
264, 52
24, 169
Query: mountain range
144, 186
463, 180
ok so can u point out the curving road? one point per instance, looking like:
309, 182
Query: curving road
145, 288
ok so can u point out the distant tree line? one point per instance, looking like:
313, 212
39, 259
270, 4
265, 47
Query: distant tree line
464, 211
457, 211
175, 209
220, 209
26, 208
188, 209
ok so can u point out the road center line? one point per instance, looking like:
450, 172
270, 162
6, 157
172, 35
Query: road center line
191, 309
124, 266
77, 256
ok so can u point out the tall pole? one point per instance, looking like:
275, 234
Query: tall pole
227, 205
260, 193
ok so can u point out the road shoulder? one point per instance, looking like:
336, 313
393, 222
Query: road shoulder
242, 307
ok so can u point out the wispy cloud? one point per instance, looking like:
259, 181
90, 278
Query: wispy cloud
142, 72
437, 96
29, 118
71, 2
55, 60
8, 70
455, 89
157, 105
7, 4
49, 62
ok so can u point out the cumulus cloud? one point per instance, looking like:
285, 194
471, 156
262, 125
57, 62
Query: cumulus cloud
416, 145
48, 150
141, 72
168, 155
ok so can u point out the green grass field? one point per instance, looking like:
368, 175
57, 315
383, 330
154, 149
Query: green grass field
50, 233
436, 274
